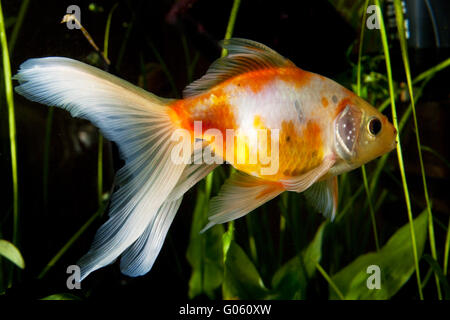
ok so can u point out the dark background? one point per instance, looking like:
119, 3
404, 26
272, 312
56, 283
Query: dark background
310, 33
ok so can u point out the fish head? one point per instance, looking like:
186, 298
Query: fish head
362, 133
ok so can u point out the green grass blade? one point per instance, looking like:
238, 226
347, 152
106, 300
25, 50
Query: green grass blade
404, 50
208, 184
231, 22
107, 28
447, 249
229, 235
430, 72
330, 282
371, 209
12, 124
69, 243
349, 204
358, 92
361, 41
399, 147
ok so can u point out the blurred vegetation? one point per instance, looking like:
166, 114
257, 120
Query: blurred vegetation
282, 250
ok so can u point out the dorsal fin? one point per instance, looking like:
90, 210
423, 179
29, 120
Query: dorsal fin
243, 56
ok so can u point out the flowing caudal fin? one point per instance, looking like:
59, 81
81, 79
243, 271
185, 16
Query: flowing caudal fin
140, 125
138, 259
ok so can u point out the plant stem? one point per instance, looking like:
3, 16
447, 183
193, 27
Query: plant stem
69, 243
107, 28
430, 72
404, 49
361, 41
12, 124
231, 23
358, 92
371, 210
330, 282
447, 248
228, 35
399, 148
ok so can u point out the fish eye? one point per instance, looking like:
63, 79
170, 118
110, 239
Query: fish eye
374, 126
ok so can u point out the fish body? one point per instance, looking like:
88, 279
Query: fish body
290, 130
302, 105
278, 98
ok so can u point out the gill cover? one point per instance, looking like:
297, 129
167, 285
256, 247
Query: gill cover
347, 129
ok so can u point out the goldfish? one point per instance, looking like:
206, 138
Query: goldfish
310, 129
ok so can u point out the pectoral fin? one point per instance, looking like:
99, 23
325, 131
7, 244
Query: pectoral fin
239, 195
304, 181
323, 196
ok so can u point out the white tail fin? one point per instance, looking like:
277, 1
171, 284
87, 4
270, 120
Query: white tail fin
139, 123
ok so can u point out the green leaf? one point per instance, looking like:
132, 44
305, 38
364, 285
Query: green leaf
290, 281
227, 238
204, 252
313, 253
241, 280
10, 252
61, 296
395, 260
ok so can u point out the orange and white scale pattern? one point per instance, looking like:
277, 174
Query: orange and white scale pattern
301, 105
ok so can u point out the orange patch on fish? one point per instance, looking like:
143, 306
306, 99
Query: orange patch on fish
324, 102
341, 106
257, 80
212, 109
179, 115
300, 152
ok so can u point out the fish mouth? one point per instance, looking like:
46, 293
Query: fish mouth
394, 144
